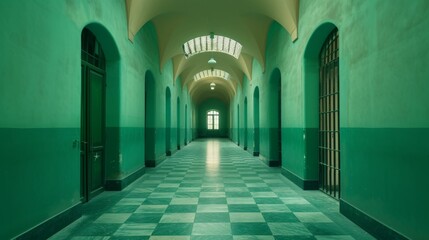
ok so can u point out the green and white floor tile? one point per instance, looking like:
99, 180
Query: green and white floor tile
212, 189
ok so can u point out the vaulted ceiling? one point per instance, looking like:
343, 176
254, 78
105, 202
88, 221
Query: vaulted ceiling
245, 21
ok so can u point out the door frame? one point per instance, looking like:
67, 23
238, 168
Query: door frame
86, 138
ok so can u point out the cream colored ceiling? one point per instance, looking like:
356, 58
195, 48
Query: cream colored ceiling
178, 21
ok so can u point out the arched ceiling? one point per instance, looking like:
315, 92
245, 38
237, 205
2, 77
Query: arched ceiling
245, 21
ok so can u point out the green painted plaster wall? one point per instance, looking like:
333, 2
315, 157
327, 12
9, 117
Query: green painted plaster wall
246, 89
40, 114
236, 118
247, 116
40, 97
383, 90
185, 125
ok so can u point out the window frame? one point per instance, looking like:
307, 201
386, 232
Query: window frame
213, 117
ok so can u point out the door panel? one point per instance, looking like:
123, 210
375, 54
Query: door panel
92, 132
96, 130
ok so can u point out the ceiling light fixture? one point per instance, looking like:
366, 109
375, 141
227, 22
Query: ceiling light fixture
212, 60
212, 84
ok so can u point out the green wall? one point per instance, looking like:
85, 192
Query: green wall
383, 95
40, 114
383, 91
40, 103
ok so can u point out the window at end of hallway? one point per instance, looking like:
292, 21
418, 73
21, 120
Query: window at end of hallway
213, 120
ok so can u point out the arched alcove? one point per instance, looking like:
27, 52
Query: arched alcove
178, 129
274, 111
256, 137
150, 113
168, 121
99, 110
321, 130
245, 141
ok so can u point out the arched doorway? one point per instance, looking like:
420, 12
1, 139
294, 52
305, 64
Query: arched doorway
178, 123
168, 121
186, 125
245, 124
150, 113
93, 122
322, 104
329, 116
99, 117
238, 124
275, 118
256, 137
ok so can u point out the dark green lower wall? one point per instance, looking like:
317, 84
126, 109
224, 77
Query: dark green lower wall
54, 224
155, 150
270, 146
300, 159
132, 149
113, 169
127, 165
384, 174
371, 225
39, 176
293, 151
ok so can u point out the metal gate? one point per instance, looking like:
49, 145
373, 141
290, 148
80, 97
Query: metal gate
329, 122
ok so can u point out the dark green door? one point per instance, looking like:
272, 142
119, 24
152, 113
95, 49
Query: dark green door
92, 117
92, 132
96, 147
256, 122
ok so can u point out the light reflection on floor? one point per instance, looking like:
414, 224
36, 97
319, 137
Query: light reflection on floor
212, 156
212, 189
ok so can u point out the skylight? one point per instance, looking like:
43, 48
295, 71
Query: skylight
211, 73
205, 44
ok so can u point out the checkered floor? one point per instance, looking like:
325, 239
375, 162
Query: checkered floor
212, 189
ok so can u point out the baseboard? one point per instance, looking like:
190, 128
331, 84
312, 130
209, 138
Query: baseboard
270, 163
369, 224
118, 185
172, 152
274, 163
304, 184
51, 226
156, 162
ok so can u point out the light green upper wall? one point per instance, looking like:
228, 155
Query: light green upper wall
382, 67
282, 54
32, 42
34, 63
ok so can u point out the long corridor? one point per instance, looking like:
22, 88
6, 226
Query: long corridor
212, 189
